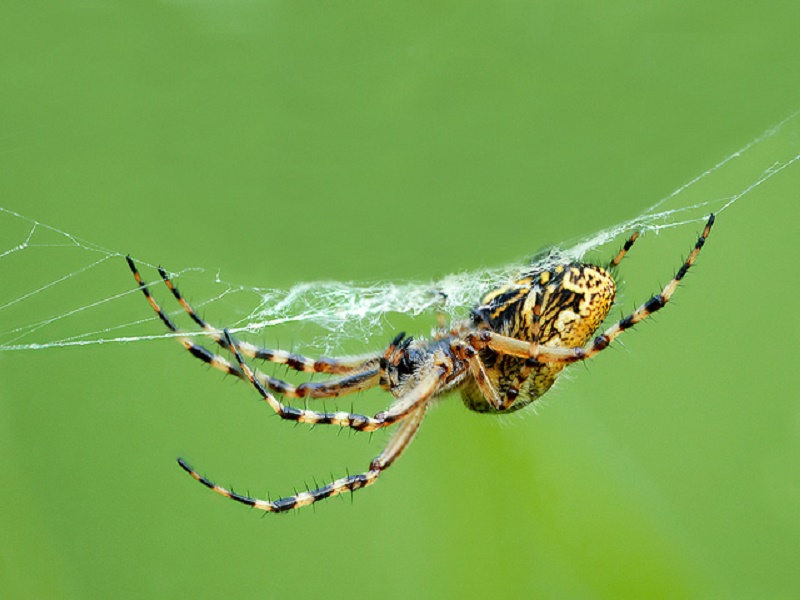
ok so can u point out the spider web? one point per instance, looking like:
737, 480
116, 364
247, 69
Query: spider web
41, 264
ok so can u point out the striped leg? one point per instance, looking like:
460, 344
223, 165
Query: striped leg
281, 357
399, 442
621, 254
543, 353
352, 382
146, 291
405, 404
293, 361
346, 384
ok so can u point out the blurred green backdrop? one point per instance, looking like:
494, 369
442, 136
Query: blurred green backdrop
294, 141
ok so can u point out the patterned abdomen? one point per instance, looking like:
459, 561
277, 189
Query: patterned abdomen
576, 299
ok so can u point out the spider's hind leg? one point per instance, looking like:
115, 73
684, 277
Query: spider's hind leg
614, 262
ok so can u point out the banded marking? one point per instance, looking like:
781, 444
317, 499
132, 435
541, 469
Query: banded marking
399, 410
352, 483
359, 373
282, 357
625, 248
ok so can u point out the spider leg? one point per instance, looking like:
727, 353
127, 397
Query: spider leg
623, 251
146, 291
398, 443
425, 388
340, 386
468, 353
349, 383
293, 361
544, 353
281, 357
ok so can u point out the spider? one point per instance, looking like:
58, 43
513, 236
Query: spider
507, 355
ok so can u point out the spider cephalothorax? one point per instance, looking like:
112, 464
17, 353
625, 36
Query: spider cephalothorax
407, 359
507, 355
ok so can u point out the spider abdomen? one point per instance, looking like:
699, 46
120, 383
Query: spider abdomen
575, 300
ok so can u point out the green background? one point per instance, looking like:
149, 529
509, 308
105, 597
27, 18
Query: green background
280, 142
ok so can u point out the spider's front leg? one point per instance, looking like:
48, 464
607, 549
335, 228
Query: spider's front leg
336, 366
357, 373
281, 357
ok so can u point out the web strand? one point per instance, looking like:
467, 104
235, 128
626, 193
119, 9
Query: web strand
341, 310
